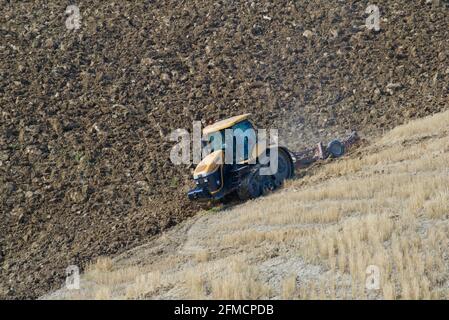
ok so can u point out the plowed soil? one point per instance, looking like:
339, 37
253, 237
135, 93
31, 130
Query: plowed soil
85, 114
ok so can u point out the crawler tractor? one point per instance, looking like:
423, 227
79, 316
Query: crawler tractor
217, 179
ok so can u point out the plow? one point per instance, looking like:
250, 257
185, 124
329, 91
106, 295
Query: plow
335, 149
244, 177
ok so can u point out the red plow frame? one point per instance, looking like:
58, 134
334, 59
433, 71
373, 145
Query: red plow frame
305, 158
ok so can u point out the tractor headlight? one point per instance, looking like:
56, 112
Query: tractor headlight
210, 183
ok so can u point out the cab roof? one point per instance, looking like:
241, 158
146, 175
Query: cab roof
224, 124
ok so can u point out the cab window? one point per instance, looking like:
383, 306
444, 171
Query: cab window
240, 132
216, 144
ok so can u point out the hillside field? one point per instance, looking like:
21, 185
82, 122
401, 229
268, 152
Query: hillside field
386, 204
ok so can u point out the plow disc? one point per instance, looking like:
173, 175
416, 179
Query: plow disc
334, 149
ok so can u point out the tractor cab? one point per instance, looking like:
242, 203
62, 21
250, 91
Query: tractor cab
213, 174
230, 167
237, 127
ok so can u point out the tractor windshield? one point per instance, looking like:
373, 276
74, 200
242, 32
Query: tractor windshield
217, 140
242, 132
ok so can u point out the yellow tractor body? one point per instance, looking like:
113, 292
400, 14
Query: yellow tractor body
216, 179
